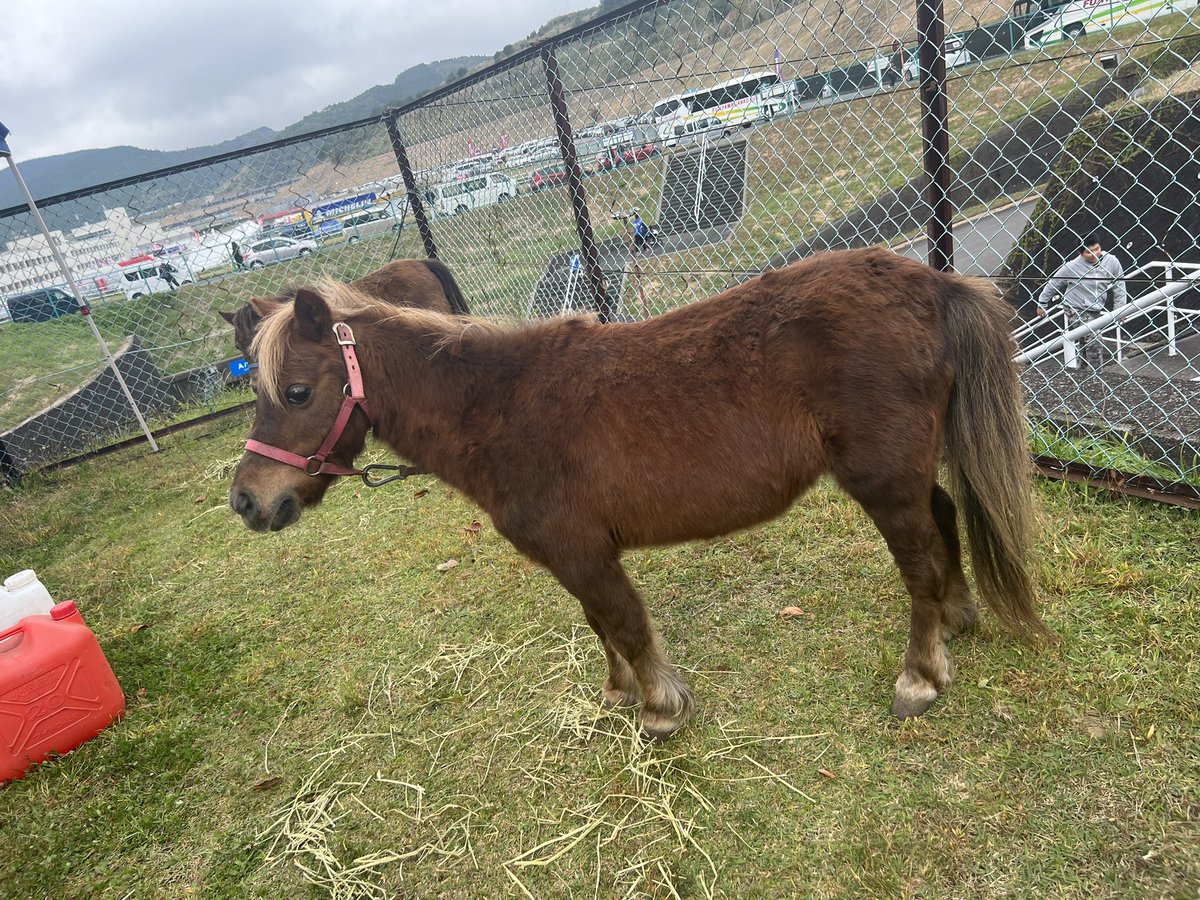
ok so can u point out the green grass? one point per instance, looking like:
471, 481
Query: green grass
327, 698
1111, 449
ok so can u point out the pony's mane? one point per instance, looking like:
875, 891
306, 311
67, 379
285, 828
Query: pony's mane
272, 343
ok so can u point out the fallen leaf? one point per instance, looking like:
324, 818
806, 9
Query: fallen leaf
267, 783
141, 693
826, 773
136, 628
473, 528
791, 612
421, 493
448, 565
201, 498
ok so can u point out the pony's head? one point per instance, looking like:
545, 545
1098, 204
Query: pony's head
301, 385
245, 320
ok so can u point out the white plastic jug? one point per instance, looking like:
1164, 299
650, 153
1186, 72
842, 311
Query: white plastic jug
23, 595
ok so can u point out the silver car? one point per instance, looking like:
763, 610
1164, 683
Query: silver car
368, 223
265, 251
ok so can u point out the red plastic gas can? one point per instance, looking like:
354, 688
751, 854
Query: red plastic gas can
57, 689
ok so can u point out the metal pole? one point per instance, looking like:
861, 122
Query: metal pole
700, 166
583, 221
84, 310
931, 36
410, 185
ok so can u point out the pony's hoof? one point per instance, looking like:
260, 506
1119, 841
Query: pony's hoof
911, 707
913, 696
657, 727
658, 735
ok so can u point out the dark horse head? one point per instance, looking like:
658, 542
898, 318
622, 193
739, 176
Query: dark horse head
424, 283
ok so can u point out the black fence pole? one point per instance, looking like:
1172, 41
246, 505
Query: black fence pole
935, 129
410, 184
583, 220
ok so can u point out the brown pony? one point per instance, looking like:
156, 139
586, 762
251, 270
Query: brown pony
581, 440
427, 283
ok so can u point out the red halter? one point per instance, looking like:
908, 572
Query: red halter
354, 397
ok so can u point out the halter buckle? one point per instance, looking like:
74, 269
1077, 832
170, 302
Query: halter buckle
344, 334
308, 466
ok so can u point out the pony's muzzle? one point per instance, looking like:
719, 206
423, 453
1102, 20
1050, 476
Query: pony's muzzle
283, 512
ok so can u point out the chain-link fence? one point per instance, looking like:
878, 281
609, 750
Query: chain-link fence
665, 152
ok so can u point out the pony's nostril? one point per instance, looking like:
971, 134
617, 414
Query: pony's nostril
242, 503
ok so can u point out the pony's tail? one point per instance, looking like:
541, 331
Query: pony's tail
454, 295
987, 449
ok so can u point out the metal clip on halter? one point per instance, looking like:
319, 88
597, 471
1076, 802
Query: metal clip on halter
402, 472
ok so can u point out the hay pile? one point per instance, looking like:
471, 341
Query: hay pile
640, 809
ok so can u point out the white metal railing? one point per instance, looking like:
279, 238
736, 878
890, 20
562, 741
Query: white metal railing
1162, 298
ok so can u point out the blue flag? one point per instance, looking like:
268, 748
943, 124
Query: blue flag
4, 151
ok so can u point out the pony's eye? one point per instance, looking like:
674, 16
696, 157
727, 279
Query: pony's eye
298, 394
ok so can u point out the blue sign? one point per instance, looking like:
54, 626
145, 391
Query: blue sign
349, 204
240, 367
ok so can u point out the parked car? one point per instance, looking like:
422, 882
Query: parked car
693, 129
41, 305
368, 223
548, 177
956, 55
624, 155
263, 252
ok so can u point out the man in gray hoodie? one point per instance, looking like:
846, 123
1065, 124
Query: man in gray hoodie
1084, 283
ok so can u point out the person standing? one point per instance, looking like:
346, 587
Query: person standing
238, 261
895, 66
1084, 283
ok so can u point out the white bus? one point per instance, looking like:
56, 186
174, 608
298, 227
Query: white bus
669, 109
742, 100
1081, 17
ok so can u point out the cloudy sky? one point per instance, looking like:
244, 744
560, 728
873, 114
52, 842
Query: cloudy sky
81, 74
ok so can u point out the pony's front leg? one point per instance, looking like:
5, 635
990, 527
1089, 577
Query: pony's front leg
618, 616
621, 688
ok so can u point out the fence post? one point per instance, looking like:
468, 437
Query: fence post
935, 131
73, 284
583, 221
410, 185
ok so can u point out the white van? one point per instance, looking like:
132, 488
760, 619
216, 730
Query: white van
152, 278
453, 198
693, 129
1082, 17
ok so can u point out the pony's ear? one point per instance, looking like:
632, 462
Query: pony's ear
264, 306
313, 318
227, 316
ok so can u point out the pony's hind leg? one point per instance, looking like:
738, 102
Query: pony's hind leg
904, 517
618, 616
959, 613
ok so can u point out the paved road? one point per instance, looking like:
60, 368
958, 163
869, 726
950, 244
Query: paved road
982, 243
